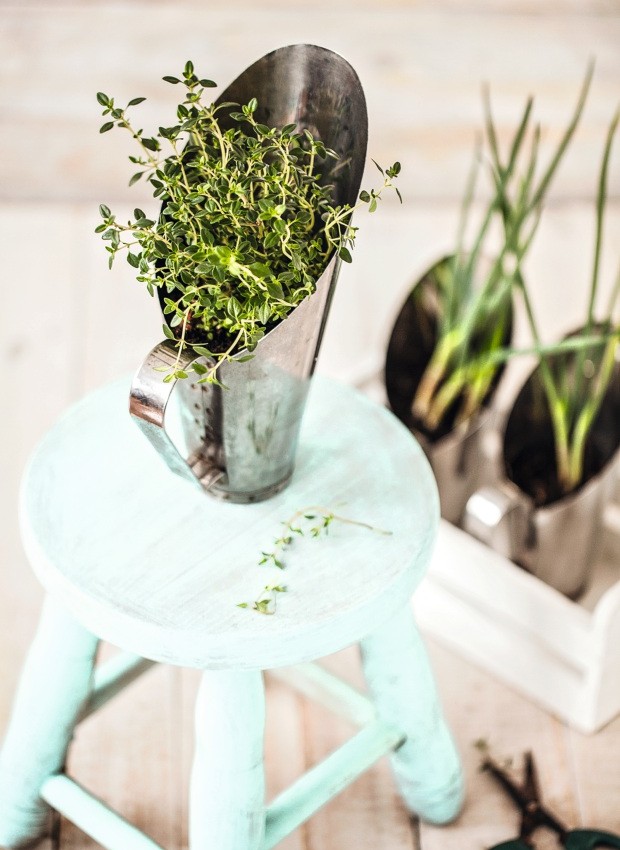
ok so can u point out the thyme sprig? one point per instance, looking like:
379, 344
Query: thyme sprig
248, 222
312, 522
266, 602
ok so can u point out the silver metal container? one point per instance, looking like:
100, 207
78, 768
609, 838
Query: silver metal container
457, 460
558, 541
239, 443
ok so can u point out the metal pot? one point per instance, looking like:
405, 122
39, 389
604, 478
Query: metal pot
239, 443
457, 460
557, 541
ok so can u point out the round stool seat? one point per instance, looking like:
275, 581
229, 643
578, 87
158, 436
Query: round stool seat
153, 565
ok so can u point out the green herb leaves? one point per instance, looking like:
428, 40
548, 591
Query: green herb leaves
314, 521
475, 294
247, 224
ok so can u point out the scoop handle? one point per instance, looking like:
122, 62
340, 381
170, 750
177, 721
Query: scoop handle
148, 402
500, 517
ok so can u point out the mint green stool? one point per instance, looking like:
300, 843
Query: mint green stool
133, 555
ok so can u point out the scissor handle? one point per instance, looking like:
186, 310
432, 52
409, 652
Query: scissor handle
515, 844
589, 839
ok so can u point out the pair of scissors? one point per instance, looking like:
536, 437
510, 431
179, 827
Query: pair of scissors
535, 816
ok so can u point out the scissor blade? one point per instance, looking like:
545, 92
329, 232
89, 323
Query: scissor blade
533, 814
531, 785
514, 791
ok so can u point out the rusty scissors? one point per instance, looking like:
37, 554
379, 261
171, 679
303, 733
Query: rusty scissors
535, 816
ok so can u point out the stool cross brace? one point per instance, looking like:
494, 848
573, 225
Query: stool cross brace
288, 810
379, 734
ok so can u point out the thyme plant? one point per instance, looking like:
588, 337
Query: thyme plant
475, 301
247, 224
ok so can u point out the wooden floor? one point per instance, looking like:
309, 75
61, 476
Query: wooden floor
68, 325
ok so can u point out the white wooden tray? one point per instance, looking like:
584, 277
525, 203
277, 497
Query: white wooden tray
564, 655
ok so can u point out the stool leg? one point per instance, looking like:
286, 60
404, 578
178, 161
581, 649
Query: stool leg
399, 676
227, 795
55, 681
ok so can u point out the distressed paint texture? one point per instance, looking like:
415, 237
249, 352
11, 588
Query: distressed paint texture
55, 683
145, 594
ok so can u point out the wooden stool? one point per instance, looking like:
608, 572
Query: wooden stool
131, 554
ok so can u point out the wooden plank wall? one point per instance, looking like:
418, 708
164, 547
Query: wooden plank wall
67, 325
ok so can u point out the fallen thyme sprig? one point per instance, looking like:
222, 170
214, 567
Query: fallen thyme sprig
312, 521
266, 602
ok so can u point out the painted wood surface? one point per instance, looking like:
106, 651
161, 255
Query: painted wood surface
54, 56
559, 652
420, 63
93, 817
111, 677
227, 795
114, 752
329, 778
227, 785
426, 766
146, 562
55, 684
316, 683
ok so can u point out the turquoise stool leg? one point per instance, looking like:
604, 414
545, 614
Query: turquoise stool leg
55, 682
399, 676
227, 794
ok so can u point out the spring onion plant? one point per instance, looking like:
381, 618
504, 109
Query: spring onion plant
475, 293
576, 374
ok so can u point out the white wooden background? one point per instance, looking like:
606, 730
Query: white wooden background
67, 325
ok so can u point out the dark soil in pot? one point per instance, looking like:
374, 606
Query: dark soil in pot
410, 348
529, 450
